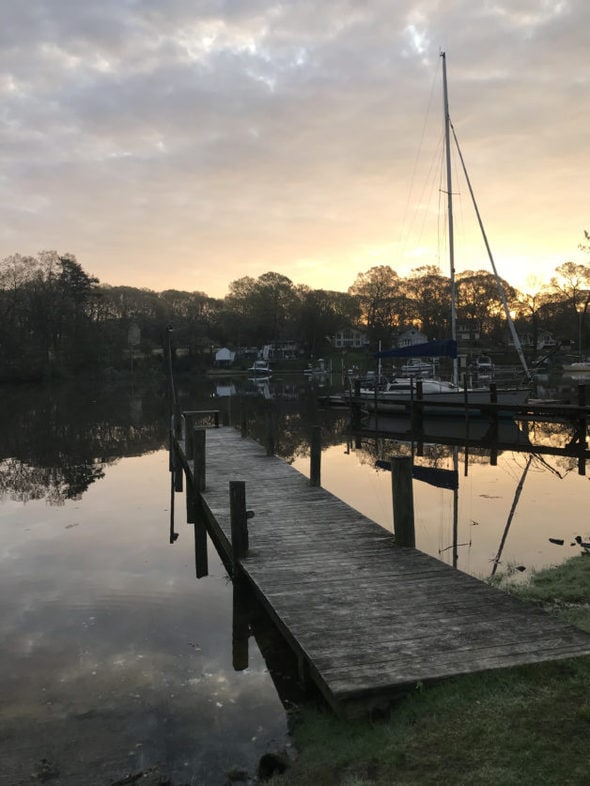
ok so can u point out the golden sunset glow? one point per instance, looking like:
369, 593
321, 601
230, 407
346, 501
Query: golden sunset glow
187, 145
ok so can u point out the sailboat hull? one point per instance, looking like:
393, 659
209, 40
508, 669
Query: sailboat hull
448, 402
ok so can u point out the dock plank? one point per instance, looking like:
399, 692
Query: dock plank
369, 618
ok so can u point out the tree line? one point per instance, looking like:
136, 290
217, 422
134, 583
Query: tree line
58, 320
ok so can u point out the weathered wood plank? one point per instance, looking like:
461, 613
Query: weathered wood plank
368, 617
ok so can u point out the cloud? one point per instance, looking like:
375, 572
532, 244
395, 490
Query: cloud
245, 136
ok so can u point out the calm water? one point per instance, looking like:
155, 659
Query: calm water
114, 656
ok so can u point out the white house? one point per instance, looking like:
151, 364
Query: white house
224, 357
349, 338
411, 337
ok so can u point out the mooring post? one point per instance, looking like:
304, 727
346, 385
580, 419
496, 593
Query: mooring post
201, 556
494, 414
582, 429
403, 501
194, 510
190, 500
178, 417
355, 405
238, 520
188, 434
177, 468
243, 422
417, 408
316, 457
240, 624
199, 455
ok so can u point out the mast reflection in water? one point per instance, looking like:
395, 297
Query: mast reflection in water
115, 657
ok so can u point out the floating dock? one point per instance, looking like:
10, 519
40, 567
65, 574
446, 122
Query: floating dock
367, 618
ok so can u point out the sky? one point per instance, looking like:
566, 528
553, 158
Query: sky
188, 143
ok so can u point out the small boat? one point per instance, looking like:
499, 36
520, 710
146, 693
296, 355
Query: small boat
260, 368
483, 365
577, 367
416, 368
399, 393
318, 371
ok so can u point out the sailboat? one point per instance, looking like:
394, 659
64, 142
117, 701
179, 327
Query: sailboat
396, 394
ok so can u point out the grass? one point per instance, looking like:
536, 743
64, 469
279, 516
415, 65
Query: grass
529, 725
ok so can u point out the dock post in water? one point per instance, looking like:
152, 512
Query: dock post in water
582, 428
238, 521
240, 624
199, 453
316, 457
403, 501
201, 555
417, 408
494, 415
355, 405
177, 467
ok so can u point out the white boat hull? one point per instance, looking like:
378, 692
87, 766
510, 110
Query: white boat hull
441, 401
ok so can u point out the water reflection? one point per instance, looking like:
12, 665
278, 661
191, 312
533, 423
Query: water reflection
114, 657
56, 442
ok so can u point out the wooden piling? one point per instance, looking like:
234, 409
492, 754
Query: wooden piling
403, 501
582, 429
177, 421
201, 555
191, 500
240, 624
200, 528
238, 520
177, 469
316, 456
494, 415
199, 452
355, 405
188, 435
417, 408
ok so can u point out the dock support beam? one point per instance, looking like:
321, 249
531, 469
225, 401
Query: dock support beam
403, 501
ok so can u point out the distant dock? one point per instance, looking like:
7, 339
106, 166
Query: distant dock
368, 619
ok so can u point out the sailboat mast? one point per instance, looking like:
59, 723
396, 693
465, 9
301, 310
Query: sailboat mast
447, 121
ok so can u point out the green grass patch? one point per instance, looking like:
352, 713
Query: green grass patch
528, 725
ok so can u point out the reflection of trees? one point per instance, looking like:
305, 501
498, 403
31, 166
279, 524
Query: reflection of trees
56, 442
23, 482
291, 422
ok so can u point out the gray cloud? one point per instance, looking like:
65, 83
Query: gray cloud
238, 137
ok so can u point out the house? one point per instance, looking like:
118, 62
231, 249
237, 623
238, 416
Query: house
283, 350
224, 357
468, 330
411, 337
545, 340
349, 338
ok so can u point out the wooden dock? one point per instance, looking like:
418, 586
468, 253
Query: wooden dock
367, 619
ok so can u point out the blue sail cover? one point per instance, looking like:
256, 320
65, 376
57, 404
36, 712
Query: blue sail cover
428, 349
